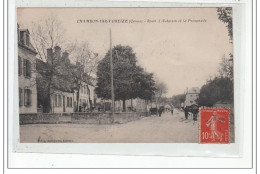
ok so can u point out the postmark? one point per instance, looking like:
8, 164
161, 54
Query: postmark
214, 125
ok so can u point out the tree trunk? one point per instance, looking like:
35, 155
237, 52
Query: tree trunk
124, 109
49, 106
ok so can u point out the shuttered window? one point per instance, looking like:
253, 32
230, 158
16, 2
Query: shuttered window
69, 101
20, 66
27, 97
20, 97
26, 68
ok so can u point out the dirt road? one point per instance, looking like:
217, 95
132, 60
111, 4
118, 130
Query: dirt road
165, 129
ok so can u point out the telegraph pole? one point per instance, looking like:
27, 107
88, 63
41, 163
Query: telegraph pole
112, 76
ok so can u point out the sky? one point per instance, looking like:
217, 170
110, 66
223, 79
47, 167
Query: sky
182, 53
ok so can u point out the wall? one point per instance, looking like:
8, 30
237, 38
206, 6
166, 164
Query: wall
60, 109
26, 82
191, 98
82, 118
138, 104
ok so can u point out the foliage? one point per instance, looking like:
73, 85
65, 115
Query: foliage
176, 100
226, 67
160, 90
225, 15
218, 89
130, 80
86, 65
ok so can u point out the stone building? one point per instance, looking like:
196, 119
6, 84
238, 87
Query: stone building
191, 96
26, 73
59, 97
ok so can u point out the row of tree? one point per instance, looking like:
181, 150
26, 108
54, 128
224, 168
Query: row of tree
221, 88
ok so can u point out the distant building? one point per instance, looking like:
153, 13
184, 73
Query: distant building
137, 104
26, 72
192, 96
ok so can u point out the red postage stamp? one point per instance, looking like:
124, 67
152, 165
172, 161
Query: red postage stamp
214, 125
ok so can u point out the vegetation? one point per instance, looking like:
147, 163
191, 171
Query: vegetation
130, 80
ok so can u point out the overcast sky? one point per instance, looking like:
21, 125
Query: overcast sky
180, 54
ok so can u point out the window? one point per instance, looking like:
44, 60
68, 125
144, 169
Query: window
21, 36
58, 100
20, 96
26, 68
20, 66
27, 97
69, 101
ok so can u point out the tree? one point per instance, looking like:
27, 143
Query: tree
161, 89
86, 66
176, 100
226, 67
130, 80
47, 33
218, 89
53, 76
225, 15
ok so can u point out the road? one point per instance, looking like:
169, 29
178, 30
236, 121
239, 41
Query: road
166, 129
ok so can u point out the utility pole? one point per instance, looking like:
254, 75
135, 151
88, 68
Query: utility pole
112, 76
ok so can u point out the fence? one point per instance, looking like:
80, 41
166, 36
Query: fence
81, 118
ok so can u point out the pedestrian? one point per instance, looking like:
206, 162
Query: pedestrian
160, 112
172, 111
186, 112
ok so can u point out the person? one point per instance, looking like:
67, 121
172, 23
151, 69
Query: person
212, 123
160, 111
172, 111
186, 112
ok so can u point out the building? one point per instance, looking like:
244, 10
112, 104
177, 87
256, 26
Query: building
55, 90
26, 73
192, 96
86, 96
137, 104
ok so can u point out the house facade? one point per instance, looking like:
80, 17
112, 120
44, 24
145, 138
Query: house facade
192, 96
26, 73
62, 102
86, 96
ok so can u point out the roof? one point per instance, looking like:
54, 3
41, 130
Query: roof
60, 83
28, 47
193, 90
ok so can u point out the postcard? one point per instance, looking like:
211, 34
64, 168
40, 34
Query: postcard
125, 75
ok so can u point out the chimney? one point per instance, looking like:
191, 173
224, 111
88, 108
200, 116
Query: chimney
65, 55
49, 55
57, 52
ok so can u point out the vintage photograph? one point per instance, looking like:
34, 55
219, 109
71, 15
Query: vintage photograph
125, 75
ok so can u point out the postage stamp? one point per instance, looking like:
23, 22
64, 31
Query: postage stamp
214, 125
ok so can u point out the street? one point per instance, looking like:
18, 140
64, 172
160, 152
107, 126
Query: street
165, 129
